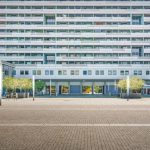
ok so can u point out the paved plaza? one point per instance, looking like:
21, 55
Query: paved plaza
75, 124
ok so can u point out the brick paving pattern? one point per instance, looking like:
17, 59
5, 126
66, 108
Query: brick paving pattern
70, 124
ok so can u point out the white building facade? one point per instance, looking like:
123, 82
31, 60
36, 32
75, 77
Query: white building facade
77, 46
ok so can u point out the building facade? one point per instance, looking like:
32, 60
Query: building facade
77, 46
6, 70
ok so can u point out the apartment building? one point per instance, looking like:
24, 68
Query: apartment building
77, 46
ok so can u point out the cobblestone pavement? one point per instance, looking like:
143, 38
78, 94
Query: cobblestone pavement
75, 124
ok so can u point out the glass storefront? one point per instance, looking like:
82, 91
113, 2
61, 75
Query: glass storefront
64, 89
86, 89
98, 89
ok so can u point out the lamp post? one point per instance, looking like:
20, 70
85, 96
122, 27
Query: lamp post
50, 87
128, 87
33, 86
1, 83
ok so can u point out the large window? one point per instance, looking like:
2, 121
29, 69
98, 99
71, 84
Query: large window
112, 72
147, 72
50, 19
137, 72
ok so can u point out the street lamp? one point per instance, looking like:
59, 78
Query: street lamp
128, 87
33, 86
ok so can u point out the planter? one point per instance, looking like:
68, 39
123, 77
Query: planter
132, 95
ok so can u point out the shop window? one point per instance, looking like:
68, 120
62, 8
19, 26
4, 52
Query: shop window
86, 89
64, 89
98, 89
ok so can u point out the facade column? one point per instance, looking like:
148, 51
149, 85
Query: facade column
146, 91
109, 93
57, 88
81, 87
105, 88
93, 88
68, 87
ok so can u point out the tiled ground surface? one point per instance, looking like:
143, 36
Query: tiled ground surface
63, 125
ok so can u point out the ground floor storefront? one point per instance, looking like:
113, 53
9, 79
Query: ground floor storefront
80, 87
85, 87
146, 90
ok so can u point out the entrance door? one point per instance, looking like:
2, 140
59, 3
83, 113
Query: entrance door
148, 91
74, 89
60, 89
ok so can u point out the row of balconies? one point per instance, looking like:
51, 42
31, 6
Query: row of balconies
76, 43
78, 11
59, 58
21, 58
123, 19
102, 58
76, 27
80, 35
75, 3
67, 50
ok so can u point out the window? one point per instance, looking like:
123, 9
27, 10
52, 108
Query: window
101, 72
137, 72
140, 72
26, 72
46, 72
112, 72
124, 72
97, 72
34, 72
74, 72
50, 19
51, 72
64, 72
89, 72
84, 72
137, 20
147, 72
14, 72
21, 72
38, 72
109, 72
59, 72
6, 72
